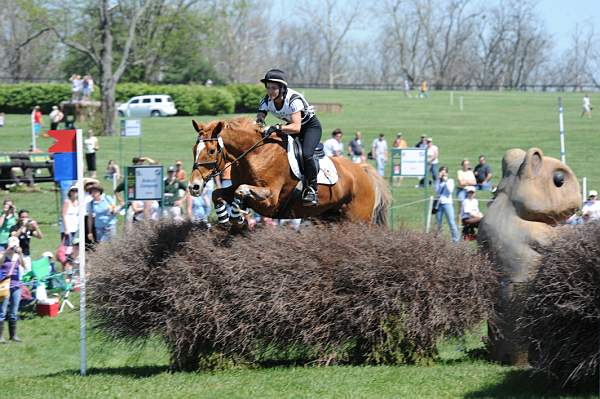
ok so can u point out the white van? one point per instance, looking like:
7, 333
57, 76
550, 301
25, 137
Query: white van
150, 105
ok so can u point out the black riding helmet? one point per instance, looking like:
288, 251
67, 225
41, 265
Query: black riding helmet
275, 75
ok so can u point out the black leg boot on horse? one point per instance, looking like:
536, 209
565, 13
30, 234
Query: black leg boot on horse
310, 192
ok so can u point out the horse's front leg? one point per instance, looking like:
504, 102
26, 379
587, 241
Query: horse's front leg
246, 192
221, 197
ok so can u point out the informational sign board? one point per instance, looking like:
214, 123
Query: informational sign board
144, 182
131, 127
413, 162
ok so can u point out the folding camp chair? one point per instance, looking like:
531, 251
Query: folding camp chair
55, 283
59, 285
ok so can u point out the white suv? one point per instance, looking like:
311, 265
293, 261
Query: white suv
150, 105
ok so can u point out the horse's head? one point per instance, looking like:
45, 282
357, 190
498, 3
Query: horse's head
208, 155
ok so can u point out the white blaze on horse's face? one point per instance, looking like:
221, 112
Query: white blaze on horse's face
196, 184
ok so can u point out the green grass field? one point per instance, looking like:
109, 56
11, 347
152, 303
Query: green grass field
46, 364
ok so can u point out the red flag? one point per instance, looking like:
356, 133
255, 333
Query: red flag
65, 141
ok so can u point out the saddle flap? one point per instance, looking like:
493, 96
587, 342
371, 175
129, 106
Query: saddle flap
327, 172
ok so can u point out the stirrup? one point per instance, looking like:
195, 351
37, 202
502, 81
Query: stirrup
309, 197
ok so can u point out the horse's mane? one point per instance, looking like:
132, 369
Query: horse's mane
243, 123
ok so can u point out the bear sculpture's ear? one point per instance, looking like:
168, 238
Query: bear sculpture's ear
533, 163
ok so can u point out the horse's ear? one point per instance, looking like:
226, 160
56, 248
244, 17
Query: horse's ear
196, 126
217, 130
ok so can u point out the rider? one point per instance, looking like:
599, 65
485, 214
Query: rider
291, 107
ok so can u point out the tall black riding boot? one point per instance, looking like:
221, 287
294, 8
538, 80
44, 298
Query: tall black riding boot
309, 195
12, 331
2, 340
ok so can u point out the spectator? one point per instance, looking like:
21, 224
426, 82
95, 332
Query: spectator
172, 195
24, 230
380, 153
424, 89
56, 116
591, 208
12, 263
144, 210
1, 119
433, 154
89, 218
444, 186
91, 146
76, 87
113, 172
483, 175
198, 208
69, 226
422, 143
333, 147
469, 209
87, 87
355, 148
587, 107
36, 120
8, 219
104, 211
179, 171
399, 143
465, 178
407, 88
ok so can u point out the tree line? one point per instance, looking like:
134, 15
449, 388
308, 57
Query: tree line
330, 42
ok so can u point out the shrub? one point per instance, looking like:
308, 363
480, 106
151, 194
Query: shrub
247, 97
373, 296
563, 307
22, 97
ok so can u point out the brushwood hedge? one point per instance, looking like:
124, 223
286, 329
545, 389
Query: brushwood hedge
329, 294
189, 99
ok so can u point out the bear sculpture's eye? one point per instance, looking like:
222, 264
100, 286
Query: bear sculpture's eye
559, 178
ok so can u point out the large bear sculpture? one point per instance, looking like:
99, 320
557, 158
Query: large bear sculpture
534, 197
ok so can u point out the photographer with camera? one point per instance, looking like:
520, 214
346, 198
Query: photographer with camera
24, 230
8, 219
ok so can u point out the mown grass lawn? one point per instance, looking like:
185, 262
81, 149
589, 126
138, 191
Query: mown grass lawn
46, 365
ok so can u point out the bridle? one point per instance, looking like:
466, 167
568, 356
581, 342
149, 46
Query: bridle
214, 164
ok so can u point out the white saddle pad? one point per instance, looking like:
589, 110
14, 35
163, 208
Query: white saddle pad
327, 173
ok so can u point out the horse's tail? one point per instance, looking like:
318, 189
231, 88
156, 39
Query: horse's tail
383, 197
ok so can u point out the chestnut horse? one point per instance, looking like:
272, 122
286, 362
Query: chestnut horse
262, 178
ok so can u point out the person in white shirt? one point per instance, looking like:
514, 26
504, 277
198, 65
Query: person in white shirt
444, 186
591, 208
469, 209
333, 147
291, 107
587, 107
91, 146
380, 153
433, 154
56, 116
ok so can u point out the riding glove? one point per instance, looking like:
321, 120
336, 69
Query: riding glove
271, 129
